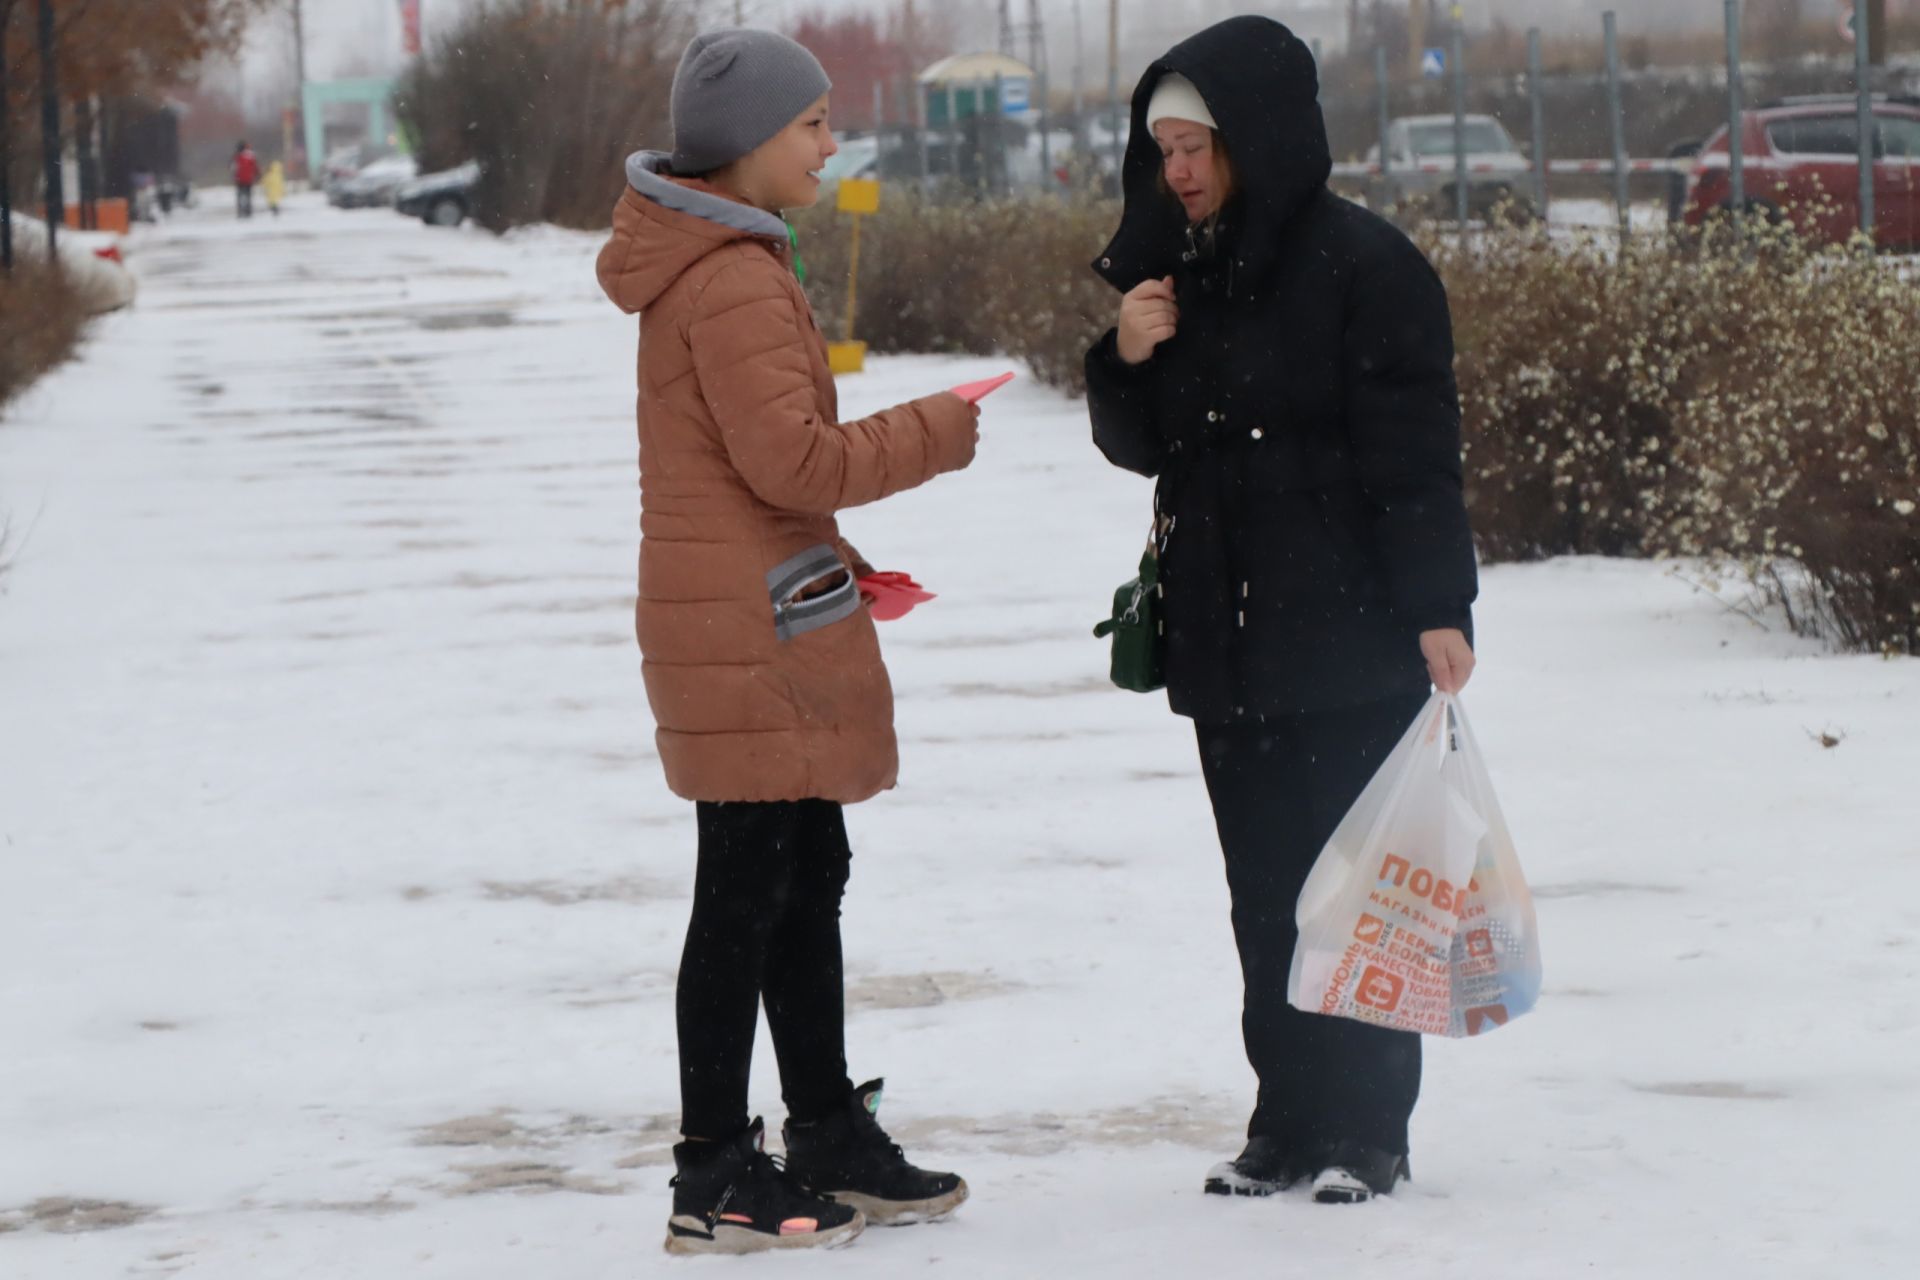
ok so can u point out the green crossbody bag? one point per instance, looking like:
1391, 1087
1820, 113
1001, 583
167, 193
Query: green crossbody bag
1138, 630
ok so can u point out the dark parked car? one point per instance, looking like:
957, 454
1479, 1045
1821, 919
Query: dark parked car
440, 199
1802, 163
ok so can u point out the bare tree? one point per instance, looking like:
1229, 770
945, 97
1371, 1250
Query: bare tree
549, 96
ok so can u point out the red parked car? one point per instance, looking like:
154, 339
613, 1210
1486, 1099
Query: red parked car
1802, 162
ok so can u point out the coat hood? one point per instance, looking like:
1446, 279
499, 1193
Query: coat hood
1261, 85
664, 224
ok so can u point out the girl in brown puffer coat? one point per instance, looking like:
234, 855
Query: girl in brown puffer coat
761, 664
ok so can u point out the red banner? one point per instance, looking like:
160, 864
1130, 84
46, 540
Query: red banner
410, 26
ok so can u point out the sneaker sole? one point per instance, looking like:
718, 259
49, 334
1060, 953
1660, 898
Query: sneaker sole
1340, 1186
1226, 1182
729, 1239
902, 1213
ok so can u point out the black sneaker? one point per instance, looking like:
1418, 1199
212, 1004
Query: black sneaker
732, 1197
1355, 1174
1264, 1168
850, 1158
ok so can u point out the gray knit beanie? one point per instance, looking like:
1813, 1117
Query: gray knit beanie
735, 89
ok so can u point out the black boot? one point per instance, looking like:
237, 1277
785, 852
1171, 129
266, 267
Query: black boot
732, 1197
1353, 1174
1264, 1168
850, 1158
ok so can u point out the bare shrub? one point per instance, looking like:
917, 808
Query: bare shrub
1564, 361
40, 322
1749, 401
41, 317
968, 277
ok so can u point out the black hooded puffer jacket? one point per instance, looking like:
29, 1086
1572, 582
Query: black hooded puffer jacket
1303, 422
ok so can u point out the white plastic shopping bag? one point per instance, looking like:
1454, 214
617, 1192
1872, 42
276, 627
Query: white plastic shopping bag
1416, 916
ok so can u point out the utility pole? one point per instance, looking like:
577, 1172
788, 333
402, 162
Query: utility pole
1863, 96
1113, 85
298, 116
1043, 86
1736, 111
1870, 15
300, 42
1079, 78
918, 113
50, 130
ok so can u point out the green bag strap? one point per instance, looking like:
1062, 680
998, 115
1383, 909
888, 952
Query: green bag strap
793, 242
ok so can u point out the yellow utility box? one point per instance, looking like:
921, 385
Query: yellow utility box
860, 195
857, 198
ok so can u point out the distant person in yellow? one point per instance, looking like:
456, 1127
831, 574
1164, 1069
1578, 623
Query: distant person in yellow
274, 187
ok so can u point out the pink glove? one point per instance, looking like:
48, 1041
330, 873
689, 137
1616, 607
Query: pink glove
892, 595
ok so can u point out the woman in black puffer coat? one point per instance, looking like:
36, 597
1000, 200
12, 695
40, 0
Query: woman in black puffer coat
1283, 364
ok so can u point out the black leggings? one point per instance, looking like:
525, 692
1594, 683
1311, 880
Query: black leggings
1279, 788
766, 925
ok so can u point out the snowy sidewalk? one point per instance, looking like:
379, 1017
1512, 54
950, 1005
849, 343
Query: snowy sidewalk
340, 896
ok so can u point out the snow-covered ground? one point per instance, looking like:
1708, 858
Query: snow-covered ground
340, 897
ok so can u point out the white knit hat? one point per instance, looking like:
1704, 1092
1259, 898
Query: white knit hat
1175, 98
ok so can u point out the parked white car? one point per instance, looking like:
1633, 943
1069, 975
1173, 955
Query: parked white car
857, 158
1421, 174
375, 185
91, 258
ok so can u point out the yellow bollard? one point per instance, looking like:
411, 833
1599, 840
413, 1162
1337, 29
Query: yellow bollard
858, 197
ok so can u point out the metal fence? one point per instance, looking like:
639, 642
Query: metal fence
1618, 164
987, 154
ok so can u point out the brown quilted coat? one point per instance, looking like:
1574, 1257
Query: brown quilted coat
761, 663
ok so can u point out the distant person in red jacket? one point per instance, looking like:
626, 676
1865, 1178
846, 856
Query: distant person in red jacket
246, 173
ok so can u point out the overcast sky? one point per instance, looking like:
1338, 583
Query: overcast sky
353, 36
342, 34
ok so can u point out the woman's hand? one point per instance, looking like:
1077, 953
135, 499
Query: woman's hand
1449, 658
1148, 317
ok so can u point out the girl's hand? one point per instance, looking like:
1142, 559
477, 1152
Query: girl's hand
962, 447
1449, 658
1148, 317
973, 406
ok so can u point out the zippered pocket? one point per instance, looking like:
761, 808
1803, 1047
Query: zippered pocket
805, 596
